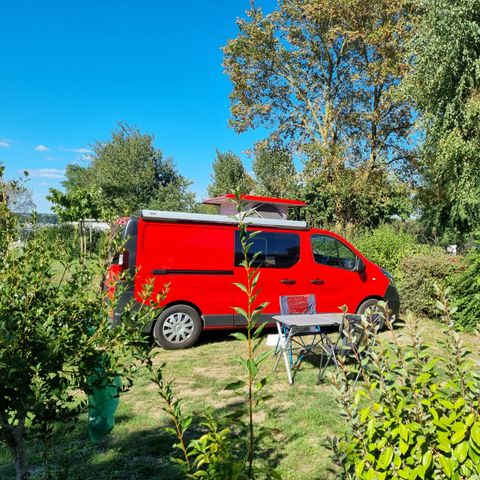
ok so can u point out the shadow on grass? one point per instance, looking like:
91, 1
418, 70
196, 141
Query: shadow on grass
214, 336
125, 454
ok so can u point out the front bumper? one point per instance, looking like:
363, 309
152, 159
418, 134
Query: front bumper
393, 300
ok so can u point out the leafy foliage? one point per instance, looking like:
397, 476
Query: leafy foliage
321, 76
445, 85
415, 415
466, 292
343, 202
77, 206
131, 174
420, 273
387, 246
54, 333
20, 200
228, 174
217, 453
275, 173
313, 70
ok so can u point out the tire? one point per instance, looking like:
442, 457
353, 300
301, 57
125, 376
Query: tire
371, 304
177, 327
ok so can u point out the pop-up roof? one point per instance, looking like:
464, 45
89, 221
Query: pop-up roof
264, 207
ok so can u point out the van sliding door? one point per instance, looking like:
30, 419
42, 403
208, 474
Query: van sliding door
279, 264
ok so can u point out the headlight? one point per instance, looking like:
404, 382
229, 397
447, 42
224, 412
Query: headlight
389, 276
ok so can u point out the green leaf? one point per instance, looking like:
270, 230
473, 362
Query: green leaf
404, 433
241, 312
385, 458
403, 447
404, 473
446, 465
475, 434
458, 437
186, 423
200, 473
252, 368
262, 357
473, 455
461, 452
459, 403
420, 471
258, 331
239, 336
261, 383
446, 403
359, 468
427, 459
443, 439
241, 286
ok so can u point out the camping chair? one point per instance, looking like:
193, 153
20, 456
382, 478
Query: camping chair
295, 305
352, 343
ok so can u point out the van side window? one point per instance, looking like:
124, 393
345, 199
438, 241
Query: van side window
276, 250
330, 251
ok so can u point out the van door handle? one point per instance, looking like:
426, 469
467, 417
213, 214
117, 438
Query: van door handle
317, 281
287, 281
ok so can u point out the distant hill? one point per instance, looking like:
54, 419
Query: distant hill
42, 218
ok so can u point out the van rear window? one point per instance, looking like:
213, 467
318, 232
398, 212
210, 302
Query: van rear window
275, 249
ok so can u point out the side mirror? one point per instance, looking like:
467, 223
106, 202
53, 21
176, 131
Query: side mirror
359, 265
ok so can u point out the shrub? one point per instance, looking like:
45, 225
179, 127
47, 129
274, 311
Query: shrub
415, 416
387, 246
466, 292
420, 272
55, 335
67, 235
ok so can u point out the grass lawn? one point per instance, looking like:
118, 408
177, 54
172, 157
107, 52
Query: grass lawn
138, 448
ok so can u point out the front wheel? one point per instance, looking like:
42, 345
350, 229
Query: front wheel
371, 306
177, 327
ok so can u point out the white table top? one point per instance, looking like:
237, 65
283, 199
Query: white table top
310, 320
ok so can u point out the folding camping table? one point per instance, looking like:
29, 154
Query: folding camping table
300, 325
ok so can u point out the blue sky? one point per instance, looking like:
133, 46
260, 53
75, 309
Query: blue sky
71, 70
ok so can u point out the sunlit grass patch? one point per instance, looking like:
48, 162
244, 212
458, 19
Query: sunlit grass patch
138, 448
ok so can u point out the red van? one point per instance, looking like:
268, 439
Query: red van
200, 256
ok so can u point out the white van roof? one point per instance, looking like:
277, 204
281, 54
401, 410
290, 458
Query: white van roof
164, 216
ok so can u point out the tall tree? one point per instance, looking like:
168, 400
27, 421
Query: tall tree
131, 174
322, 75
77, 177
317, 71
228, 174
446, 87
76, 206
21, 200
275, 172
15, 194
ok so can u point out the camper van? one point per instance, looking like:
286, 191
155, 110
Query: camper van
199, 256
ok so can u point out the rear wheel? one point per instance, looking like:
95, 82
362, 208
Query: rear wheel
177, 327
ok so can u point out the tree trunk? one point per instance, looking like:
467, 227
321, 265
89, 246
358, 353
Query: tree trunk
18, 451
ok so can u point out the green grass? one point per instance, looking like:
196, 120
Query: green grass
139, 449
